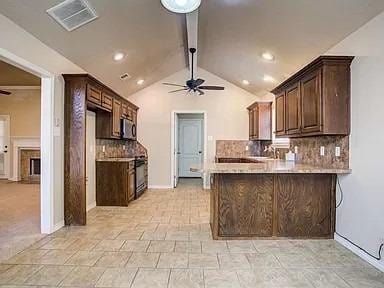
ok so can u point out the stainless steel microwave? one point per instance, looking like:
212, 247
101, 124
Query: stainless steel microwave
128, 129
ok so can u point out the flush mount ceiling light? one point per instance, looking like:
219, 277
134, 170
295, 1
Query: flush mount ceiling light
245, 82
140, 82
268, 78
118, 56
268, 56
181, 6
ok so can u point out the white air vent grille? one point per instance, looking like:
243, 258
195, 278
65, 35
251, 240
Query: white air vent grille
72, 14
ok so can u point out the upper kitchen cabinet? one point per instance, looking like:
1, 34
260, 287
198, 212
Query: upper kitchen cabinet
260, 121
316, 100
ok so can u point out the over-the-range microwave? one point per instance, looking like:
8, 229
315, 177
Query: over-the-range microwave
128, 129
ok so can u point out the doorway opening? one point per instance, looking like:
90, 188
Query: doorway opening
189, 145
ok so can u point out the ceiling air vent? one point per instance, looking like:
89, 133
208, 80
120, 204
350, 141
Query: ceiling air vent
125, 76
72, 14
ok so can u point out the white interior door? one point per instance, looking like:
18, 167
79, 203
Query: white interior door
91, 160
175, 151
190, 146
4, 147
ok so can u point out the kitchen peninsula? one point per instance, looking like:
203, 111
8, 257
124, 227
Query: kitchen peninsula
271, 198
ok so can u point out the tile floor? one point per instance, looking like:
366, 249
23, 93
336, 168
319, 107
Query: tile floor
19, 217
164, 240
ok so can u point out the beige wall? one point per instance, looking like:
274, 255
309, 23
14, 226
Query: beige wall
226, 112
23, 107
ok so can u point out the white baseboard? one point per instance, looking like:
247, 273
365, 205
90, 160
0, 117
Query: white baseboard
91, 206
378, 264
57, 226
160, 187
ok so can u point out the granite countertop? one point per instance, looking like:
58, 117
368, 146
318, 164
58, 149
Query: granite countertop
267, 166
122, 159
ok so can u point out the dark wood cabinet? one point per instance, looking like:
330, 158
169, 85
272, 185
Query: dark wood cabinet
316, 100
116, 116
280, 114
124, 111
107, 101
292, 110
115, 183
93, 94
260, 121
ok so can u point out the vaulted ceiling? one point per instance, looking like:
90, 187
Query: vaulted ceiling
232, 36
13, 76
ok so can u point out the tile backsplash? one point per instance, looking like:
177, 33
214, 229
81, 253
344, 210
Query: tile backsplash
115, 148
237, 148
309, 150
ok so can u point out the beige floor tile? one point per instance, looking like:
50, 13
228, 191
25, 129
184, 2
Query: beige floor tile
214, 278
153, 235
83, 277
214, 246
135, 245
83, 244
188, 247
59, 243
186, 278
263, 260
27, 257
233, 261
130, 235
324, 278
161, 246
18, 274
272, 246
173, 260
84, 258
203, 261
153, 278
109, 245
5, 267
55, 257
177, 235
241, 246
117, 277
361, 277
49, 275
114, 259
143, 260
299, 260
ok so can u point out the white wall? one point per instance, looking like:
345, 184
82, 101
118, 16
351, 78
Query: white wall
361, 216
18, 43
227, 118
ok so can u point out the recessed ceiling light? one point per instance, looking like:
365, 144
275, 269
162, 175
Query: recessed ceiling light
140, 82
268, 78
118, 56
267, 56
245, 82
181, 6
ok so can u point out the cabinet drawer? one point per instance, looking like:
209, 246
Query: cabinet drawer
107, 101
93, 94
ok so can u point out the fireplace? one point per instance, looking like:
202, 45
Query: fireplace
34, 167
30, 169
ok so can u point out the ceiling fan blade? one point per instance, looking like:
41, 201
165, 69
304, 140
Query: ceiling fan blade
177, 85
178, 90
5, 92
200, 92
199, 81
211, 87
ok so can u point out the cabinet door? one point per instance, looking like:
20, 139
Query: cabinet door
131, 185
124, 110
116, 115
251, 123
311, 102
256, 122
93, 94
293, 110
107, 101
280, 114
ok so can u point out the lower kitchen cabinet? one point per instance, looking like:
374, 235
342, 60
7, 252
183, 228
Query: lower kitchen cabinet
115, 183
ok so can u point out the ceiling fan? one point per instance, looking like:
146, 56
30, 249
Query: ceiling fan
193, 85
5, 92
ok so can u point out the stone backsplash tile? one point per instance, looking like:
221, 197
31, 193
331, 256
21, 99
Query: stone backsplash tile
237, 148
309, 150
114, 148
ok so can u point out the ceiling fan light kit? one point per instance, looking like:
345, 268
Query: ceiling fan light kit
193, 85
181, 6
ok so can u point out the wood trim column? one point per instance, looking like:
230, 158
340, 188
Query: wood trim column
75, 109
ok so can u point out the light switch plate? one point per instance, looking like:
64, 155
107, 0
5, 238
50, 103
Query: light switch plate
124, 147
296, 150
322, 151
337, 151
103, 148
246, 148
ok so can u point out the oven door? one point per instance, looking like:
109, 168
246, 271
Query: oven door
140, 179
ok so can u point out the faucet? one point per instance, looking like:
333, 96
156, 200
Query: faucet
272, 149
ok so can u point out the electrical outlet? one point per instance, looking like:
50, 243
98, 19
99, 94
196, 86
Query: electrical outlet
296, 150
103, 148
246, 148
322, 151
123, 147
337, 151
